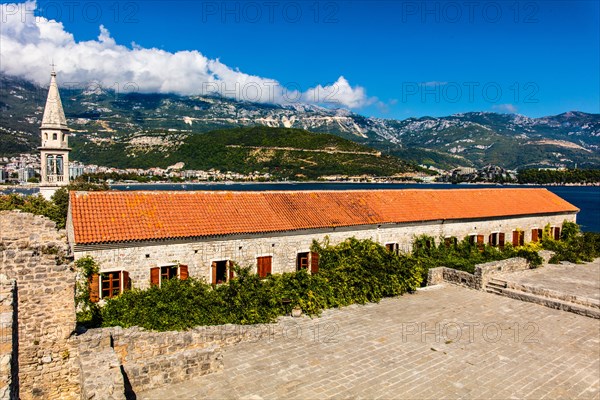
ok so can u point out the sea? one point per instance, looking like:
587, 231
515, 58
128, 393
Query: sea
586, 198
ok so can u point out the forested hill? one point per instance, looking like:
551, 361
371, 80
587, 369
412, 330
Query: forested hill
284, 153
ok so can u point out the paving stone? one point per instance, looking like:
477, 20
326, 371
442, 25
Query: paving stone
507, 348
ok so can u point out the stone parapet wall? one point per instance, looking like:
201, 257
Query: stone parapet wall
151, 359
8, 367
483, 272
37, 257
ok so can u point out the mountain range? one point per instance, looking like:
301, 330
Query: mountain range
142, 123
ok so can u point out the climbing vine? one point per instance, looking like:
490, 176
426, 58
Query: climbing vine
88, 313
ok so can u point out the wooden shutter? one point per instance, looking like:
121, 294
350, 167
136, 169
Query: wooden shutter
516, 238
94, 282
491, 239
501, 239
263, 266
534, 235
480, 241
556, 233
183, 272
230, 269
126, 281
155, 276
314, 262
213, 268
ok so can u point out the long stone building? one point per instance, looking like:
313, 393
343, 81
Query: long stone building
141, 238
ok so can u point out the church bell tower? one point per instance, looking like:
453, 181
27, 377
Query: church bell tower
55, 145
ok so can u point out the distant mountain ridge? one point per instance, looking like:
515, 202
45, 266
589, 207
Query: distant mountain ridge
468, 139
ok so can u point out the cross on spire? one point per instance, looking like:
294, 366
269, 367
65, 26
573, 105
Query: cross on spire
53, 65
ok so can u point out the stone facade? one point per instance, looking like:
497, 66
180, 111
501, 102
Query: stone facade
138, 257
35, 255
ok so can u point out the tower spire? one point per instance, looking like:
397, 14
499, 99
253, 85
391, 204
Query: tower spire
54, 115
54, 151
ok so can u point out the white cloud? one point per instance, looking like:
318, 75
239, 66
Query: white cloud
509, 108
30, 43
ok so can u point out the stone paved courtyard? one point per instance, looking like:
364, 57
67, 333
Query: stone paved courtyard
442, 342
575, 279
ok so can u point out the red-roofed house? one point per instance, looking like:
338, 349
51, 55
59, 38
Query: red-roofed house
142, 238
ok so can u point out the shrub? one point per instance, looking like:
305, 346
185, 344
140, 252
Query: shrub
574, 246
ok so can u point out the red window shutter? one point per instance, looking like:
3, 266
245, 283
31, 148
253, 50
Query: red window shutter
534, 235
259, 266
314, 262
154, 276
263, 266
501, 239
126, 281
183, 272
480, 242
516, 238
94, 282
230, 269
557, 233
213, 268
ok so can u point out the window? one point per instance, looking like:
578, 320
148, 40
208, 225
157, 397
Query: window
555, 232
536, 235
263, 266
221, 271
392, 247
306, 259
54, 136
302, 261
450, 241
108, 284
476, 240
497, 239
518, 238
164, 273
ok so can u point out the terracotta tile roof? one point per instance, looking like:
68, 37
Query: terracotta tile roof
104, 217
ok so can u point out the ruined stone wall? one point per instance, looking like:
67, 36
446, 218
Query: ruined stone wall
151, 359
139, 258
8, 367
36, 256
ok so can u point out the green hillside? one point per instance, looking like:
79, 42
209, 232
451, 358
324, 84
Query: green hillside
285, 153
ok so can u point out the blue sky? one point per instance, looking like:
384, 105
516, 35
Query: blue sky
408, 58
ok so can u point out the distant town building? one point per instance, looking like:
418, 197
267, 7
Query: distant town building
3, 175
76, 169
26, 173
55, 145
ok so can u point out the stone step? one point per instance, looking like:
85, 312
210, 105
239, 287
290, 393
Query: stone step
591, 312
497, 282
494, 290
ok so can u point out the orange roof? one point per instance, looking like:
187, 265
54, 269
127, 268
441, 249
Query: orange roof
104, 217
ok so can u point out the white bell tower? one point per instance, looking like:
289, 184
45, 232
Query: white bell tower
55, 143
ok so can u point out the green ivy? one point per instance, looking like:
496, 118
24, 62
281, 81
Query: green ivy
88, 313
355, 271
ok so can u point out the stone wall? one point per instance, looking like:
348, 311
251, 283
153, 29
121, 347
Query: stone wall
36, 256
139, 258
8, 366
482, 274
151, 359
